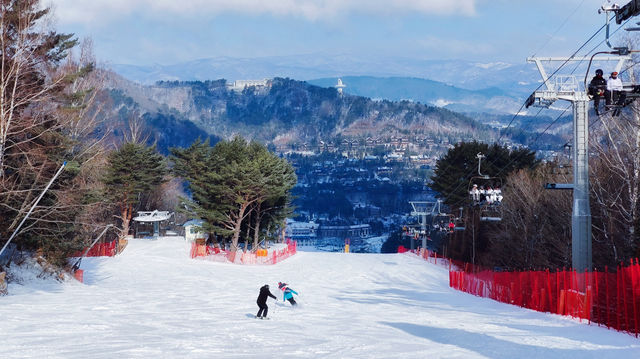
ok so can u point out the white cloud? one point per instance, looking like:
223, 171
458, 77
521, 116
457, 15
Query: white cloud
453, 46
99, 11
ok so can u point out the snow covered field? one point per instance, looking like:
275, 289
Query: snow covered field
153, 301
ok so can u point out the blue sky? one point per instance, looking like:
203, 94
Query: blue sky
144, 32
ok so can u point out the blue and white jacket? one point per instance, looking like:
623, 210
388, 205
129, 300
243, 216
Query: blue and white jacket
287, 293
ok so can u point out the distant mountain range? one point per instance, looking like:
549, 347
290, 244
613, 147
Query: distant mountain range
469, 86
490, 100
285, 113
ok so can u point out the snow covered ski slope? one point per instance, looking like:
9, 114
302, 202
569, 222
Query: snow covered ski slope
153, 301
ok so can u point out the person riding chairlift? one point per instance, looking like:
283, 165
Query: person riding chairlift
598, 89
615, 92
475, 194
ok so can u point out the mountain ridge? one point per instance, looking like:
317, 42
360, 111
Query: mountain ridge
287, 112
434, 93
472, 75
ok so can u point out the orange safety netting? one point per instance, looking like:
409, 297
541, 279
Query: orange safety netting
261, 256
607, 298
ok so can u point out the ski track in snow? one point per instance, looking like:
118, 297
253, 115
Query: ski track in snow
153, 301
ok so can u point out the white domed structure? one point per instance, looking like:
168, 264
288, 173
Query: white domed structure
340, 86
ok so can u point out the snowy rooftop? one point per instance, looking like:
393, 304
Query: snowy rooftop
153, 301
154, 216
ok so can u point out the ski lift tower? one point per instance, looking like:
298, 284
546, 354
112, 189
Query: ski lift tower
568, 88
424, 209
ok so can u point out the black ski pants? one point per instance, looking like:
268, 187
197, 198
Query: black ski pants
263, 309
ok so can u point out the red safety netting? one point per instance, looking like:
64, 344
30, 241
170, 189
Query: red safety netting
108, 249
607, 298
241, 257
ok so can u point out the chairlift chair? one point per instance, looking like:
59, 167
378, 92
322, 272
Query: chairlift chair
490, 211
458, 222
630, 91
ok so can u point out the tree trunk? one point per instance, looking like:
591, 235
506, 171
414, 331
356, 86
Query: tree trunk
238, 226
126, 219
256, 228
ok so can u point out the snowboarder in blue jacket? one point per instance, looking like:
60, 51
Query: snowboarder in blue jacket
287, 293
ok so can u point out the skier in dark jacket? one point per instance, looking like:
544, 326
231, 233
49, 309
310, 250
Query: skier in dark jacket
262, 301
597, 89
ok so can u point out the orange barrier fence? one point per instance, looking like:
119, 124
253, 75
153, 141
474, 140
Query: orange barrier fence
607, 298
259, 257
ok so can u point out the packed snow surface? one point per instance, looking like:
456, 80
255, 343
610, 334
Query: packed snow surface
153, 301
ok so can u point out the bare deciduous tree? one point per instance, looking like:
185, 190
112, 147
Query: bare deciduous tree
48, 112
535, 232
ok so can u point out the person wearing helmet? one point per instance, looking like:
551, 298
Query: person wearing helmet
616, 93
287, 293
262, 301
597, 89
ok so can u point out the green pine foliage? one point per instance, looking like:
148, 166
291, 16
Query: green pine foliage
233, 182
133, 172
454, 171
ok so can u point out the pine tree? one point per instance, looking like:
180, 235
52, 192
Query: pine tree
277, 178
456, 168
233, 181
134, 170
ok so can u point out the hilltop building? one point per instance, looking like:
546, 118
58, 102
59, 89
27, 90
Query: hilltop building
240, 85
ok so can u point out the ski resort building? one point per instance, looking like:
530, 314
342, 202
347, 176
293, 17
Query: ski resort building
193, 230
351, 231
240, 85
151, 224
306, 233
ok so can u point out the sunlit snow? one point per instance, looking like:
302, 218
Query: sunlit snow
153, 301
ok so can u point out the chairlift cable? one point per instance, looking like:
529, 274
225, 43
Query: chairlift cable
517, 158
574, 70
598, 45
537, 137
565, 110
620, 73
550, 76
503, 131
559, 28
